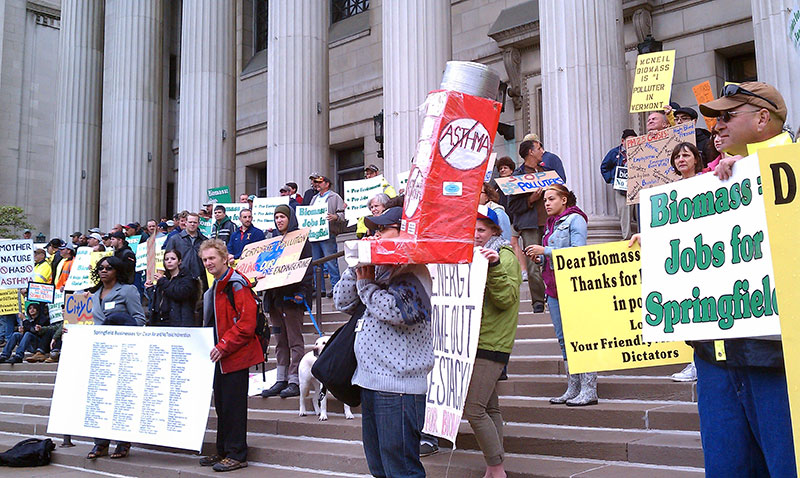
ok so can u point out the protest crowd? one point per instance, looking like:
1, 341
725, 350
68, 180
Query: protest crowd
743, 402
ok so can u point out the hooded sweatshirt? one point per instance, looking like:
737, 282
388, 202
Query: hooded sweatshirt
275, 298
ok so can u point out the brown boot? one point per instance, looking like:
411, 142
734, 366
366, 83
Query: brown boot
37, 357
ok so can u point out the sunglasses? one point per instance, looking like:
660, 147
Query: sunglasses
383, 227
105, 268
726, 116
731, 90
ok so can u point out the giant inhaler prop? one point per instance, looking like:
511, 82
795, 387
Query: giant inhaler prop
458, 127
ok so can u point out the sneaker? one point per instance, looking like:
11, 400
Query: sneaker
293, 390
14, 359
53, 358
428, 449
330, 295
37, 357
3, 359
275, 389
229, 464
688, 374
524, 276
538, 307
210, 460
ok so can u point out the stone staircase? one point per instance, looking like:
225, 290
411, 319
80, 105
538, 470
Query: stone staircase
645, 425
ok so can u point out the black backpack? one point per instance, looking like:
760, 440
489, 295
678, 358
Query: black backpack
262, 327
30, 452
337, 362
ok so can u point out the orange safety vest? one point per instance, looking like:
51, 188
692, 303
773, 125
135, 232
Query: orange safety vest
62, 278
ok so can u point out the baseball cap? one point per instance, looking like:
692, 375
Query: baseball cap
208, 203
97, 236
755, 93
687, 111
118, 234
56, 242
485, 212
95, 230
322, 179
284, 189
314, 176
132, 225
71, 247
75, 234
27, 230
170, 223
393, 215
372, 167
532, 137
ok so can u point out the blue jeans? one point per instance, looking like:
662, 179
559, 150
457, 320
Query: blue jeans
325, 248
744, 421
7, 325
26, 344
391, 424
555, 317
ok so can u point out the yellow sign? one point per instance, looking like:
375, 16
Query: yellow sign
652, 82
9, 302
600, 296
780, 171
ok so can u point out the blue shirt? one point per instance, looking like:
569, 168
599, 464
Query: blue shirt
240, 238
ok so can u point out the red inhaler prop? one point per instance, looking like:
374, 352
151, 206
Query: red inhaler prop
444, 185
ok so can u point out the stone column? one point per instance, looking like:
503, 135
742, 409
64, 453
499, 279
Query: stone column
297, 93
76, 184
207, 129
135, 163
778, 61
584, 98
416, 48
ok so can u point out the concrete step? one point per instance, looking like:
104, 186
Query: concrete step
614, 387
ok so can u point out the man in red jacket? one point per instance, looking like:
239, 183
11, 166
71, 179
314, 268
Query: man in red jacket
236, 350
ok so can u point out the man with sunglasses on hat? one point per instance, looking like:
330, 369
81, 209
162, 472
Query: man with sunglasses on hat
743, 402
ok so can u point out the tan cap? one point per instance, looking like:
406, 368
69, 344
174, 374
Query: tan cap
531, 137
736, 97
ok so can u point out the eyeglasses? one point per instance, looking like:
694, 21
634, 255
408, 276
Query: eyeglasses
731, 90
726, 116
383, 227
105, 268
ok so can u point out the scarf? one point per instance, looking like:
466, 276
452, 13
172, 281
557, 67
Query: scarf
548, 274
496, 242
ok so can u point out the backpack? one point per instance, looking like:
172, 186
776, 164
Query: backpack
30, 452
262, 327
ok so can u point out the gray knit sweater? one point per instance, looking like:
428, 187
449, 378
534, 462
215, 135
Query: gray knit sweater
394, 347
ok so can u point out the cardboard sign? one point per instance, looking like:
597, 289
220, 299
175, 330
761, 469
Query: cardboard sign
41, 292
621, 178
652, 83
16, 263
232, 210
264, 211
455, 326
703, 94
314, 218
9, 302
78, 309
57, 308
280, 264
357, 194
706, 260
526, 183
648, 158
140, 384
605, 281
220, 194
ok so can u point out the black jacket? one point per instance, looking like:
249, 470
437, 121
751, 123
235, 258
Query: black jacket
743, 353
174, 300
274, 298
190, 262
128, 258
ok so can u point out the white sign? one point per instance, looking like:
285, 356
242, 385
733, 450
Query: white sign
232, 211
57, 307
357, 194
139, 384
80, 273
621, 178
457, 301
16, 263
490, 167
264, 211
402, 180
706, 261
141, 255
314, 218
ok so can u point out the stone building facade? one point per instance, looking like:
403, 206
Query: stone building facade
120, 110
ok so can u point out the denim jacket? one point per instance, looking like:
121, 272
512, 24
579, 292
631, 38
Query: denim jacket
569, 231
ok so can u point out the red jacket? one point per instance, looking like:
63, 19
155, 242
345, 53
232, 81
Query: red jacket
236, 332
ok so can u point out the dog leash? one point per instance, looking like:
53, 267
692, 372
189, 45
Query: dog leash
313, 320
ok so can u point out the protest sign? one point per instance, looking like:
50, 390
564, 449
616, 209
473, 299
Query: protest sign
206, 226
457, 304
621, 178
490, 167
402, 180
314, 218
41, 292
9, 302
78, 308
138, 384
648, 158
16, 263
357, 194
794, 31
526, 183
246, 265
57, 307
600, 296
155, 256
280, 263
264, 211
220, 194
779, 173
141, 255
652, 83
703, 94
232, 210
80, 273
133, 241
706, 262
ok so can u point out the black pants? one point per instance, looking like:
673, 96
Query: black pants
230, 403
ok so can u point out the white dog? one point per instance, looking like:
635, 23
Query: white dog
307, 380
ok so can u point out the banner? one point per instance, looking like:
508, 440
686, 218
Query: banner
78, 309
139, 384
600, 296
16, 263
280, 264
526, 183
57, 308
779, 173
652, 83
221, 194
232, 210
315, 219
41, 292
357, 194
703, 94
264, 211
706, 261
648, 158
457, 301
9, 302
206, 226
621, 178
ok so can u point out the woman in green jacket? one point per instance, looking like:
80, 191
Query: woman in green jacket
498, 328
